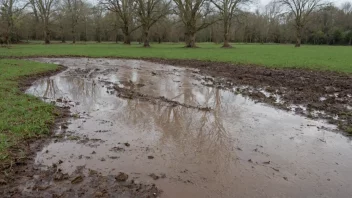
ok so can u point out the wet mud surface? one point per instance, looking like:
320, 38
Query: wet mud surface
141, 129
316, 94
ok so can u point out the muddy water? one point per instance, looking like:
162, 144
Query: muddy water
237, 149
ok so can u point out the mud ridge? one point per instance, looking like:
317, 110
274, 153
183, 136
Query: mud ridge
131, 94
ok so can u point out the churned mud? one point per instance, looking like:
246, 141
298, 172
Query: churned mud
316, 94
142, 129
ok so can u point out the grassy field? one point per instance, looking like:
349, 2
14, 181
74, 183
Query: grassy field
22, 116
334, 58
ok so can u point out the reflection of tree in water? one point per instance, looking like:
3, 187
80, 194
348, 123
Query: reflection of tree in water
51, 88
45, 88
82, 90
75, 89
197, 135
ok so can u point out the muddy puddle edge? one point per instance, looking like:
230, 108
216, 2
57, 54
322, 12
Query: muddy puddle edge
30, 146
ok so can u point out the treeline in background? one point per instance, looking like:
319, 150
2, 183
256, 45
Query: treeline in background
190, 21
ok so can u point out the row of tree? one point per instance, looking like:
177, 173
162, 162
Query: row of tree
281, 21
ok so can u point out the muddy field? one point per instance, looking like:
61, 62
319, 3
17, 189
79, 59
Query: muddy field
315, 94
143, 129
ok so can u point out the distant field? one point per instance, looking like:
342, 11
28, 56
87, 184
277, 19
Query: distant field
334, 58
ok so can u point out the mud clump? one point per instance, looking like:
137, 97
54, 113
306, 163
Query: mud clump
154, 176
43, 184
117, 149
121, 177
59, 176
77, 180
2, 182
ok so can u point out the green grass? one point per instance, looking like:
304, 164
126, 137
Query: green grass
334, 58
21, 116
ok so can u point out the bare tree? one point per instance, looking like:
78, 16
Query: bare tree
36, 17
59, 17
73, 9
301, 9
228, 9
97, 12
149, 12
347, 7
193, 15
124, 10
45, 10
9, 11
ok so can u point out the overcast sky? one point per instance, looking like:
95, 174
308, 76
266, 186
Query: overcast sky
336, 2
262, 3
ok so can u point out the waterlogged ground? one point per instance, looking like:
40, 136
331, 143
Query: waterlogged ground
167, 126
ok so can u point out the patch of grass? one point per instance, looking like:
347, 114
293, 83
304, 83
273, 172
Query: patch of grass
21, 116
349, 130
334, 58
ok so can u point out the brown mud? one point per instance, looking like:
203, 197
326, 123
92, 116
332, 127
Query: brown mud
140, 129
22, 177
330, 92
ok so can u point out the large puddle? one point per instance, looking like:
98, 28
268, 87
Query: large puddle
238, 148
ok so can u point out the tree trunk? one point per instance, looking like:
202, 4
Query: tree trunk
63, 39
146, 37
126, 34
46, 35
98, 35
226, 34
85, 29
127, 39
191, 40
226, 41
73, 35
298, 37
7, 40
8, 35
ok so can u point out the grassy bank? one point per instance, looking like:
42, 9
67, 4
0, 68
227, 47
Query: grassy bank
334, 58
22, 116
